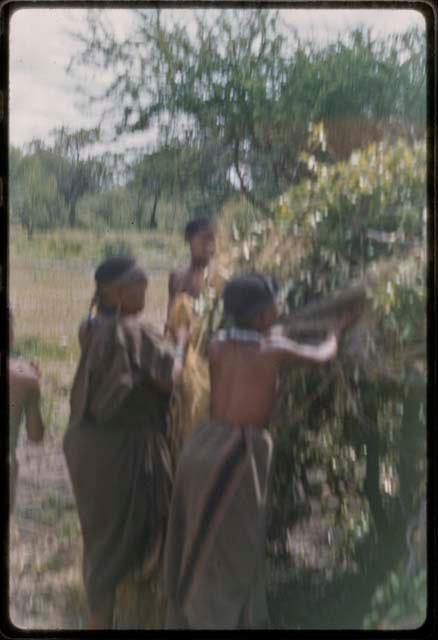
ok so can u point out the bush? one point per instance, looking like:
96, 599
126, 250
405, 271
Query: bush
64, 247
36, 203
399, 603
360, 420
113, 209
119, 247
36, 348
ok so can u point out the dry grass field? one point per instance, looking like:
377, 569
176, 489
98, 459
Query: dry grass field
50, 286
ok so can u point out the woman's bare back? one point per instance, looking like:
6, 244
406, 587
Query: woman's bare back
243, 382
243, 372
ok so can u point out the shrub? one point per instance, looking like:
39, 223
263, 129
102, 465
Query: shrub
116, 247
360, 420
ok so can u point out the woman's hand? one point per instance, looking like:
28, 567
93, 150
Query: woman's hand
329, 348
277, 330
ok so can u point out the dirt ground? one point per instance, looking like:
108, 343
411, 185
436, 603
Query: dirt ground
45, 544
46, 589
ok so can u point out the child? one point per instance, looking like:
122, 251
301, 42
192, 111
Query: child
24, 398
200, 234
187, 291
214, 558
115, 445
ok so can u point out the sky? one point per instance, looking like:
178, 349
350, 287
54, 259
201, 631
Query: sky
43, 96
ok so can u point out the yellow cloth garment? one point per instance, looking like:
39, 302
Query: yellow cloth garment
191, 401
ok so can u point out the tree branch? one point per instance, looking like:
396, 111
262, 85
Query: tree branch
248, 195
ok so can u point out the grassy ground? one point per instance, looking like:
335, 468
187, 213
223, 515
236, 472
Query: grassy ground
50, 286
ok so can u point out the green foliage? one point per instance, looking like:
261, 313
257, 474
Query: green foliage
233, 101
368, 207
239, 87
116, 248
360, 420
112, 209
34, 348
35, 200
47, 182
79, 248
178, 173
70, 161
64, 247
15, 158
351, 215
400, 602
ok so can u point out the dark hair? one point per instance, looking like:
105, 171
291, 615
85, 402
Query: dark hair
112, 268
109, 270
247, 295
196, 225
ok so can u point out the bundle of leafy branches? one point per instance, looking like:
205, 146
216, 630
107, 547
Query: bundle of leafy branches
351, 237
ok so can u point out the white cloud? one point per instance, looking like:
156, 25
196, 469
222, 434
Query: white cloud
338, 20
44, 96
41, 95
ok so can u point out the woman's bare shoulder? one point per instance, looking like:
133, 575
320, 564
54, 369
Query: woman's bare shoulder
177, 278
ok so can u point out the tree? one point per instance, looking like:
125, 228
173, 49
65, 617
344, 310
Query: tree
75, 169
35, 200
240, 84
185, 171
153, 176
113, 208
15, 159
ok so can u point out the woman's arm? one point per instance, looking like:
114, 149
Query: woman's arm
289, 350
323, 352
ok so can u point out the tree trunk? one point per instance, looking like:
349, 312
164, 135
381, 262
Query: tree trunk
139, 216
153, 224
372, 480
72, 215
247, 194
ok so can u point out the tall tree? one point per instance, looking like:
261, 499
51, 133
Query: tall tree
35, 200
239, 82
186, 170
152, 178
76, 170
